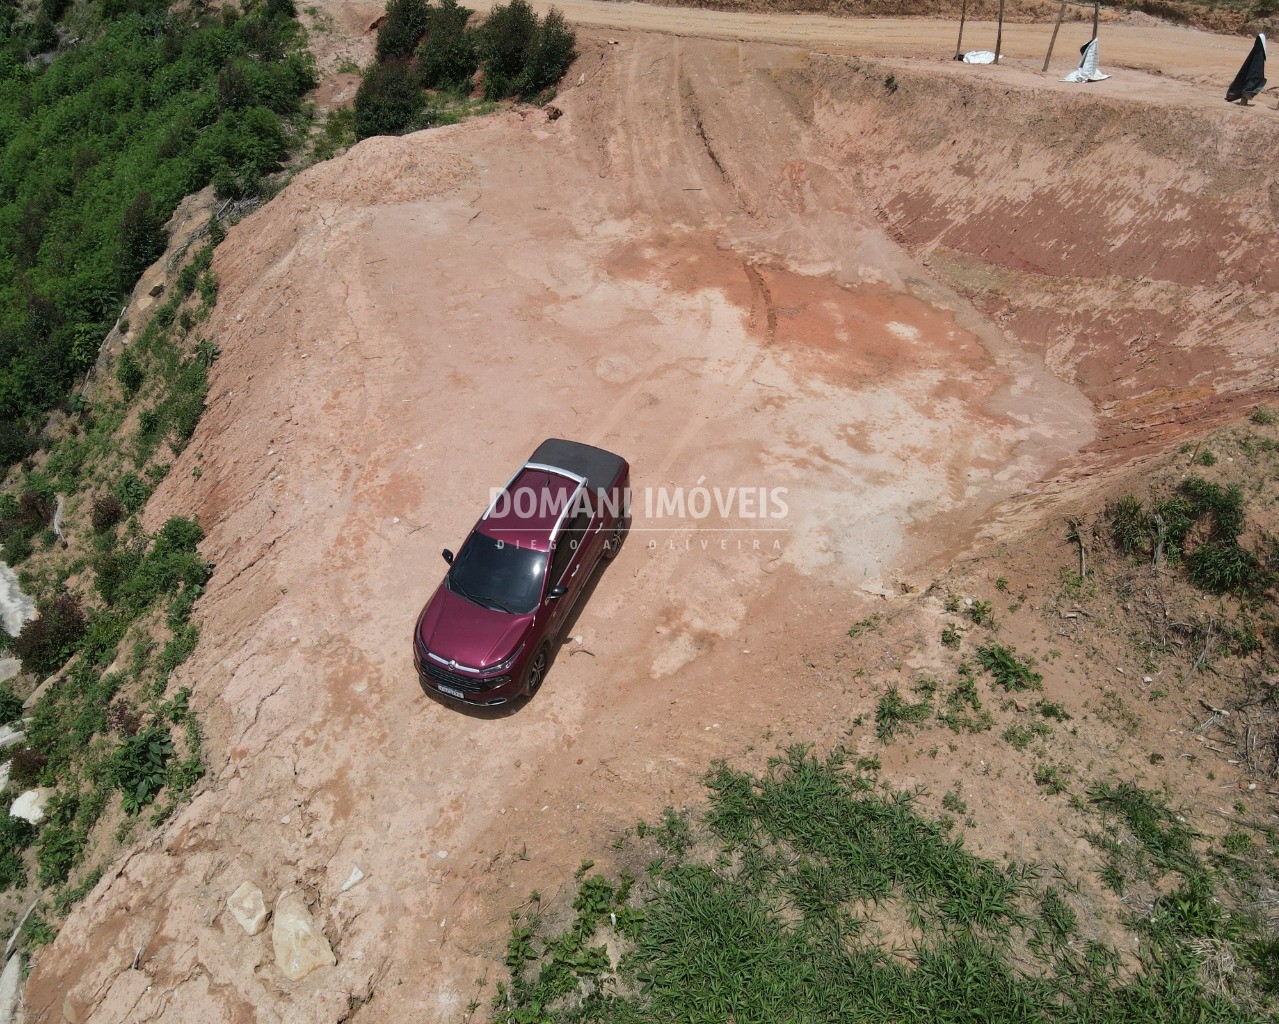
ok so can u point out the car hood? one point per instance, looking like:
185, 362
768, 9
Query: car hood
455, 629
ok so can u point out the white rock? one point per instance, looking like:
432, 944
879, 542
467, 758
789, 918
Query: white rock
4, 774
247, 907
10, 735
16, 608
300, 947
10, 989
9, 667
31, 804
354, 879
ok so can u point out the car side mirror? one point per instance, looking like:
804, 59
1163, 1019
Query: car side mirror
559, 590
448, 556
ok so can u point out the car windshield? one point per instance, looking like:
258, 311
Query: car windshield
493, 574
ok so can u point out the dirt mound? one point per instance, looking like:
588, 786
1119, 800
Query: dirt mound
733, 264
1127, 243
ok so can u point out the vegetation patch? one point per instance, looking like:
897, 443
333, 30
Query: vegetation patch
432, 57
778, 909
1008, 669
100, 137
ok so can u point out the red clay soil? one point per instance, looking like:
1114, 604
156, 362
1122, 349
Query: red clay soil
739, 265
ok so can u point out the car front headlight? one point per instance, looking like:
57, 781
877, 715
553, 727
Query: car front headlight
502, 666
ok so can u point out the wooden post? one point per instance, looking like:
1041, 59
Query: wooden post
999, 35
1096, 13
959, 44
1061, 13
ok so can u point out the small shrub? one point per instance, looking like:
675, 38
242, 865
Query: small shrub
10, 705
1008, 670
137, 767
871, 622
36, 509
893, 712
16, 834
1021, 736
1051, 709
61, 842
981, 613
129, 372
48, 640
1129, 525
107, 511
25, 766
1222, 566
1262, 417
951, 636
124, 719
1205, 458
132, 491
388, 101
962, 709
406, 22
1223, 504
1051, 778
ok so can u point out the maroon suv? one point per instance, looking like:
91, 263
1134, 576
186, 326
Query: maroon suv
486, 635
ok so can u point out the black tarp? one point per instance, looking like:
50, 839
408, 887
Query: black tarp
1252, 76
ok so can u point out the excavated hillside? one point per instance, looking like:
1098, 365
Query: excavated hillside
906, 294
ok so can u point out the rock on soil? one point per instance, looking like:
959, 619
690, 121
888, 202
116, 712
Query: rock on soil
247, 907
10, 990
300, 947
31, 804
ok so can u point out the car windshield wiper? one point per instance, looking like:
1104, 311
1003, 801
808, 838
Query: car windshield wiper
500, 606
455, 585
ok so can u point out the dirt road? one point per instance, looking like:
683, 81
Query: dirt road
687, 267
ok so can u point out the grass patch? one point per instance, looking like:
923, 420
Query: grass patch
1007, 669
962, 710
894, 712
777, 911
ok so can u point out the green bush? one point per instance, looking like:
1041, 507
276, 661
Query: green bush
447, 58
1129, 525
132, 491
16, 834
138, 766
1223, 567
10, 705
504, 42
405, 23
553, 49
1223, 504
388, 101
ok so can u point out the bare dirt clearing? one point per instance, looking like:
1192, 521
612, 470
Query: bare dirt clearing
729, 261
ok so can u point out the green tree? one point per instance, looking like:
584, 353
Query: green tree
447, 58
388, 100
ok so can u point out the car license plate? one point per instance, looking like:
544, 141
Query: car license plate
450, 691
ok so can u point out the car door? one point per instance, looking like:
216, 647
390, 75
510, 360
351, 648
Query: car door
572, 548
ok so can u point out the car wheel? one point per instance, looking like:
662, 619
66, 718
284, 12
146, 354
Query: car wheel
614, 543
536, 671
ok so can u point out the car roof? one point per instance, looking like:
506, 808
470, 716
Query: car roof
527, 511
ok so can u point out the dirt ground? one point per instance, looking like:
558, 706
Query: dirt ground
737, 264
